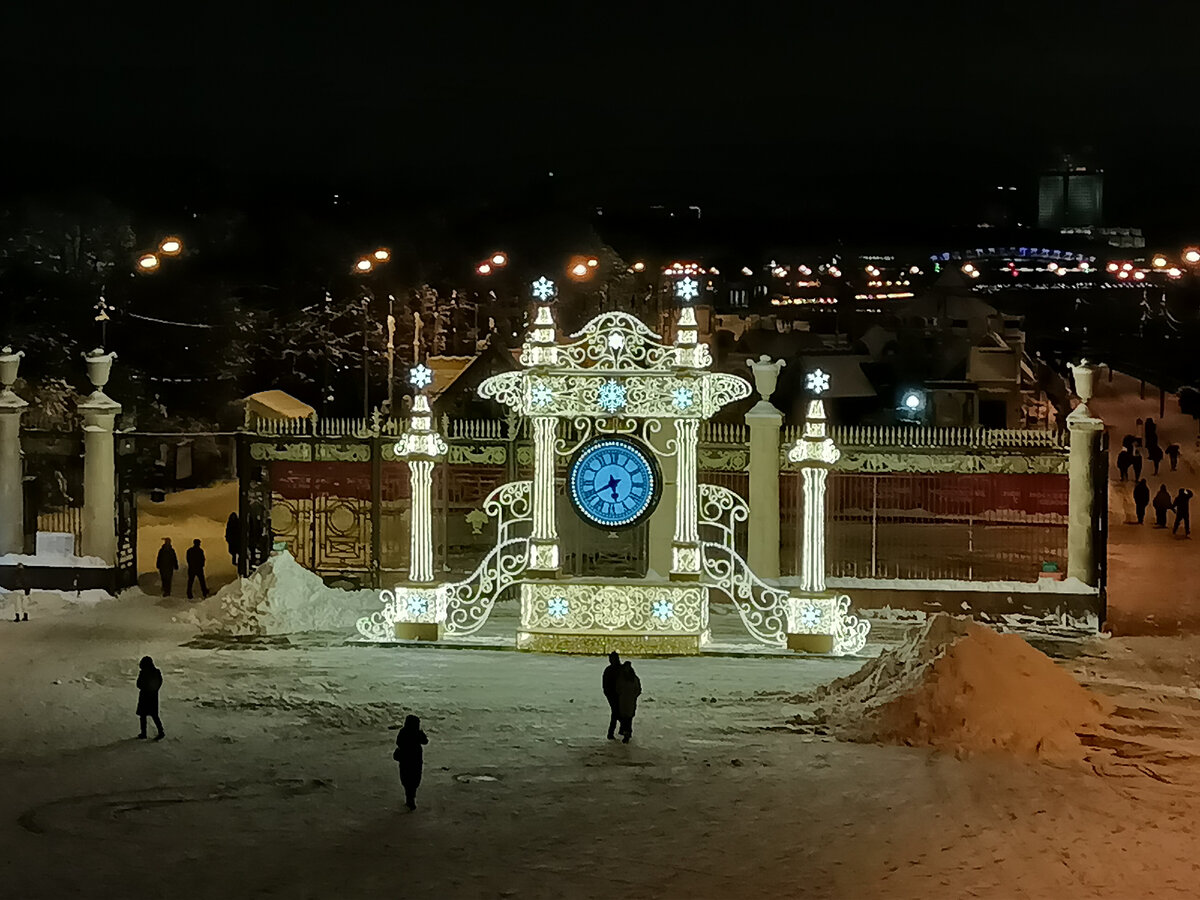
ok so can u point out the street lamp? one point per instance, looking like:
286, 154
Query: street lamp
499, 259
147, 262
382, 255
363, 266
171, 246
1191, 255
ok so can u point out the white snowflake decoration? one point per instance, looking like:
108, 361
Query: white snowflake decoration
418, 606
810, 615
683, 398
558, 607
541, 395
687, 289
420, 376
616, 340
816, 381
543, 288
612, 396
662, 609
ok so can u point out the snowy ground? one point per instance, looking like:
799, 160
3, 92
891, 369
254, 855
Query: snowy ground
276, 778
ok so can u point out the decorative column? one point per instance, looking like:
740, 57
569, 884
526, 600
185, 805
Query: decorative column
542, 353
764, 421
421, 446
99, 463
1085, 431
690, 354
12, 517
814, 616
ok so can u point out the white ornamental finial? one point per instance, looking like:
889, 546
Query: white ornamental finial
543, 288
420, 376
687, 289
816, 382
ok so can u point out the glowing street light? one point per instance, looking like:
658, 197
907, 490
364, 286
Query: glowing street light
639, 267
1159, 262
968, 268
147, 262
382, 255
592, 262
484, 269
171, 246
1112, 267
363, 265
1174, 271
1191, 255
499, 259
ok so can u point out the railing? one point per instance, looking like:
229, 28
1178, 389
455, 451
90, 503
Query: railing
724, 433
333, 427
933, 436
476, 429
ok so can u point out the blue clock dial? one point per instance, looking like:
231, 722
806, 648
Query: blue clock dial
613, 482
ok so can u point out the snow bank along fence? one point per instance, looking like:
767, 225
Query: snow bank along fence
969, 504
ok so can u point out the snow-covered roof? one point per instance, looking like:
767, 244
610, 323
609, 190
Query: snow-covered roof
278, 405
446, 370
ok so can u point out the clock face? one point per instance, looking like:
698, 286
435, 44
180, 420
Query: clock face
614, 482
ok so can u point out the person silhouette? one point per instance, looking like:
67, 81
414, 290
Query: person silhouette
408, 753
612, 675
1183, 512
149, 682
629, 688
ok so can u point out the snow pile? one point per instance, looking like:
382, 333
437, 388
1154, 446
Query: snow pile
43, 602
280, 597
959, 686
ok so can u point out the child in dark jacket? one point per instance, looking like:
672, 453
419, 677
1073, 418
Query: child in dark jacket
409, 741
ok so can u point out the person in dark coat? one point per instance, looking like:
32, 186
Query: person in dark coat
149, 681
195, 568
1151, 434
1173, 455
1124, 461
1137, 465
408, 753
1183, 512
167, 563
1129, 442
1162, 506
20, 594
1141, 499
612, 674
1155, 455
233, 537
629, 688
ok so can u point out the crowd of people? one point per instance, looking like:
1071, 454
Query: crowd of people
1163, 504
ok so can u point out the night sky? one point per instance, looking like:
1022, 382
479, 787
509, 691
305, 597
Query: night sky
890, 112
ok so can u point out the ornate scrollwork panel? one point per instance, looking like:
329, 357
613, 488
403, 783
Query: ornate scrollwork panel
635, 608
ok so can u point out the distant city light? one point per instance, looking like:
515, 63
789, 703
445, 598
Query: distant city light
363, 265
1191, 255
1127, 267
499, 259
1052, 266
1174, 271
913, 270
382, 255
148, 262
968, 268
1122, 274
747, 271
1139, 275
639, 267
835, 272
779, 271
592, 262
1112, 267
171, 246
483, 269
1159, 262
579, 270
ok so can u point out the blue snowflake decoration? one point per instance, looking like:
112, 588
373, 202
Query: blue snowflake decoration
558, 607
612, 396
810, 615
543, 288
683, 398
420, 376
687, 289
541, 395
418, 606
662, 609
817, 381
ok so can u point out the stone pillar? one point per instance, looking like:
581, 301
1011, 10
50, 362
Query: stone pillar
12, 515
421, 446
764, 422
812, 569
685, 548
543, 545
99, 463
661, 527
1085, 431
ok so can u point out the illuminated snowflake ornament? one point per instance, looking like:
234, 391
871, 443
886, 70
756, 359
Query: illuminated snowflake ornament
541, 395
420, 376
810, 615
662, 609
616, 340
558, 607
418, 606
612, 396
683, 398
816, 381
543, 288
687, 289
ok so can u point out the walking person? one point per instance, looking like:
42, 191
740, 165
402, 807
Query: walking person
1141, 499
408, 753
1155, 455
1124, 461
233, 537
149, 682
1137, 465
1162, 506
1183, 512
168, 562
629, 688
1129, 442
1173, 455
1151, 434
195, 568
612, 675
20, 594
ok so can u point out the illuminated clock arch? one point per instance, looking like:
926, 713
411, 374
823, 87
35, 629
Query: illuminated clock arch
614, 482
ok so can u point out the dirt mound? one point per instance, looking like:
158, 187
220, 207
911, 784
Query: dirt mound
281, 597
959, 686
